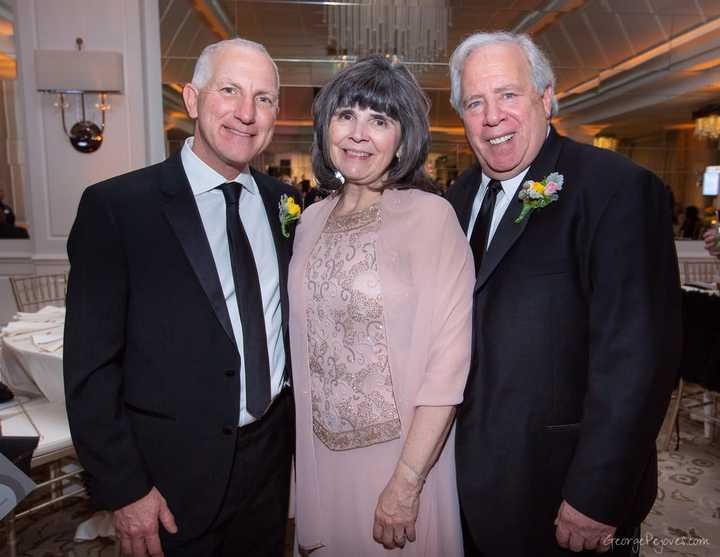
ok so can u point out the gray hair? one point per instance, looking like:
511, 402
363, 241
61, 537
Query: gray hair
541, 72
203, 66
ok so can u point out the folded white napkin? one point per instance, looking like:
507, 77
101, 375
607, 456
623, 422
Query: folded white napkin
22, 327
48, 313
47, 318
49, 341
99, 525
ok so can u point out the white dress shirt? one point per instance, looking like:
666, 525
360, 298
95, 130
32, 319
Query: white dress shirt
502, 202
211, 205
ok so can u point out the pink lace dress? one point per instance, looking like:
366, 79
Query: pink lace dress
380, 323
358, 434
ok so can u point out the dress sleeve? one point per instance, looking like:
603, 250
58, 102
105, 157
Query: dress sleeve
448, 359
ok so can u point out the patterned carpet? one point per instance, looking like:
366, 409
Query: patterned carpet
686, 517
685, 520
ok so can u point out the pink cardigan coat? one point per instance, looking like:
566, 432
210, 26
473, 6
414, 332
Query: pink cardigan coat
427, 276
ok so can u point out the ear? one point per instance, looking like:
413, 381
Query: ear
547, 97
399, 153
190, 96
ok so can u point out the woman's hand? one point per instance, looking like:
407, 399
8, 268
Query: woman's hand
710, 238
397, 509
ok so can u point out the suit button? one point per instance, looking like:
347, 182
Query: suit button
230, 372
229, 430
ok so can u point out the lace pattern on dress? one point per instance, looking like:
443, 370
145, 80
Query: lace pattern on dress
353, 402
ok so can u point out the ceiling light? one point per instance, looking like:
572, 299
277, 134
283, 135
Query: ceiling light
707, 122
606, 141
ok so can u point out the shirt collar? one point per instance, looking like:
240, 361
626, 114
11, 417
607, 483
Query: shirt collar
509, 186
202, 178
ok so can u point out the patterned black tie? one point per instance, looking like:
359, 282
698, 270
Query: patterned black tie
249, 300
481, 230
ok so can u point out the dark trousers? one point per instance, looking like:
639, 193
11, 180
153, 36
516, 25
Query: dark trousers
627, 546
253, 517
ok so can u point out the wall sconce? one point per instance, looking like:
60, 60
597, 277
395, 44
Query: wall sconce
606, 141
707, 122
76, 73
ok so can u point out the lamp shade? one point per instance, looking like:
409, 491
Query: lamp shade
66, 71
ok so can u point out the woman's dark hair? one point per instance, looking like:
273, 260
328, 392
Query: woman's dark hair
385, 86
692, 227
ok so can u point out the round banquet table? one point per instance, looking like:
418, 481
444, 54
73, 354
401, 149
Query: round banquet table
701, 338
31, 370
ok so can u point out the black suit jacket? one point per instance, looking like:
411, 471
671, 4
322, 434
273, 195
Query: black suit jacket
150, 360
576, 350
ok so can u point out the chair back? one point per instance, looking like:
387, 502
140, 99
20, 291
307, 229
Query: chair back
699, 271
34, 293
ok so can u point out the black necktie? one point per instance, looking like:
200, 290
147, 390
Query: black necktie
481, 230
249, 300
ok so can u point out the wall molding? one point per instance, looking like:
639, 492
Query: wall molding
31, 264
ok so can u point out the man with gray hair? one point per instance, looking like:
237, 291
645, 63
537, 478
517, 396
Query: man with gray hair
576, 336
176, 346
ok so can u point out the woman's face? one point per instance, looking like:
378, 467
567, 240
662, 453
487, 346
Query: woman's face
363, 144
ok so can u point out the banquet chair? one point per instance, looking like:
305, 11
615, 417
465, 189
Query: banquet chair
701, 270
34, 293
689, 398
697, 390
49, 421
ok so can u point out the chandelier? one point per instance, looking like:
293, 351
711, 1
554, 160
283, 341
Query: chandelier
413, 30
707, 122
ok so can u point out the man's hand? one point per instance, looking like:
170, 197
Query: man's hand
397, 511
710, 238
137, 525
578, 532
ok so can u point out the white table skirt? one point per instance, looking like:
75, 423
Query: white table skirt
39, 417
31, 370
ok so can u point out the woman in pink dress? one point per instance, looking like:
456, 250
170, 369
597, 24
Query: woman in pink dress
380, 288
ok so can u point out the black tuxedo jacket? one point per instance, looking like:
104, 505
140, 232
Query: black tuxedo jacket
576, 351
150, 361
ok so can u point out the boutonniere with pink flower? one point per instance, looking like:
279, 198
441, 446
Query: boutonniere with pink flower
536, 195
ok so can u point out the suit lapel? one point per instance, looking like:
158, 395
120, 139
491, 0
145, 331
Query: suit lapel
508, 231
184, 218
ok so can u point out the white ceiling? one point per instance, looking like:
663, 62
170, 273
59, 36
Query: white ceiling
675, 42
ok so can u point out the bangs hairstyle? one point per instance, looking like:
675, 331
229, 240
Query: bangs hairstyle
387, 87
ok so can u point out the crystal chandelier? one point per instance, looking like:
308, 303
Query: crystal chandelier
707, 122
413, 30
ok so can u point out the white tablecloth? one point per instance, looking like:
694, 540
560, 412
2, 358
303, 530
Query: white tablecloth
33, 366
32, 354
39, 417
708, 288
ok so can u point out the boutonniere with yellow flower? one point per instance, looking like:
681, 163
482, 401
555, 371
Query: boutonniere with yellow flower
289, 213
536, 195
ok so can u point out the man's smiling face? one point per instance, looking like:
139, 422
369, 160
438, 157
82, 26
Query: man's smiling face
505, 117
235, 110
